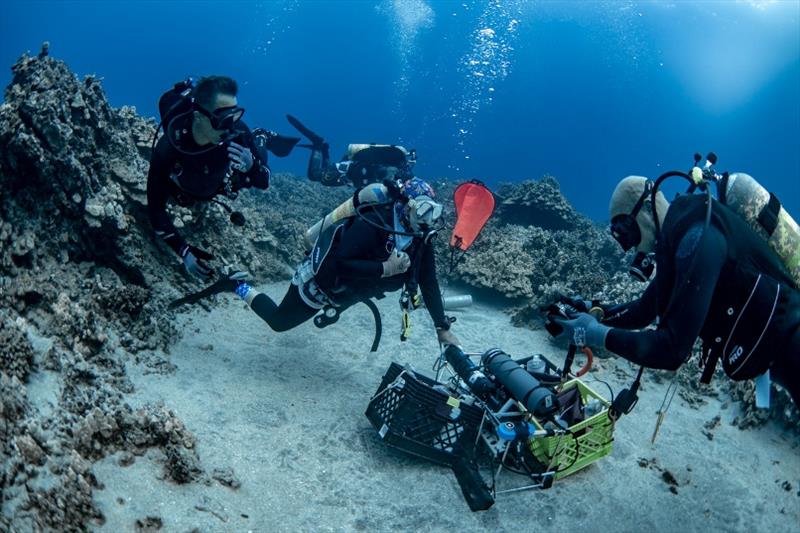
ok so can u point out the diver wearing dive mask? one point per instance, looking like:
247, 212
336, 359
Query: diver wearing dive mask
206, 151
222, 118
625, 230
717, 279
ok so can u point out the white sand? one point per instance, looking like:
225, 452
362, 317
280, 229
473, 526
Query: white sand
286, 411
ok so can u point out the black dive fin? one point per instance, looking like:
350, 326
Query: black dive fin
281, 145
221, 285
316, 140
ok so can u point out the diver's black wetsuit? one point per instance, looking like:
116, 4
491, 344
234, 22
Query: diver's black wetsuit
189, 179
723, 285
353, 273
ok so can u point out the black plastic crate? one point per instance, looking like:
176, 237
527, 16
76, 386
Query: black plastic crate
412, 415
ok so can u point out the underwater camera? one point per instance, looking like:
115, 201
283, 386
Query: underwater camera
495, 414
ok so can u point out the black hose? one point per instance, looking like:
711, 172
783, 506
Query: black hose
376, 315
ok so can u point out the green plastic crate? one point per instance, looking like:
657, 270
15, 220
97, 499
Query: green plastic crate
567, 454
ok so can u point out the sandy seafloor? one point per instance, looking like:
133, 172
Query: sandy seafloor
286, 411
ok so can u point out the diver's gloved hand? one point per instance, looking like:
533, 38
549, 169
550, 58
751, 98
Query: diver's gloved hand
581, 330
397, 263
240, 157
445, 336
194, 261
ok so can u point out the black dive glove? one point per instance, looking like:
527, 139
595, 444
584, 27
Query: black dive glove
194, 261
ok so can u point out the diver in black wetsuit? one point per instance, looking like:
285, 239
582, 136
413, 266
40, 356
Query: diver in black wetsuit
207, 152
358, 259
361, 164
719, 282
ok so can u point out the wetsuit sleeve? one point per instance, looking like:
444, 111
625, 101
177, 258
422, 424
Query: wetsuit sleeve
699, 262
158, 192
430, 288
633, 315
260, 173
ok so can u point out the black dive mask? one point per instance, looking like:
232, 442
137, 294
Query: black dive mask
224, 118
642, 266
626, 231
624, 228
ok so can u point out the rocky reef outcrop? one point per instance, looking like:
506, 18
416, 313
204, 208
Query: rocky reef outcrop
537, 203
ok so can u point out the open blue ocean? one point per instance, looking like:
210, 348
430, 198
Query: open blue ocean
497, 90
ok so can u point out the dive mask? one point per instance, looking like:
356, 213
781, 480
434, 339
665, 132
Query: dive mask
423, 212
624, 227
626, 231
223, 118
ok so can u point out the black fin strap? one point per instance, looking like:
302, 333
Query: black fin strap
768, 218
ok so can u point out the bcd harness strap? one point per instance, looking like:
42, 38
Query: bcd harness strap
768, 217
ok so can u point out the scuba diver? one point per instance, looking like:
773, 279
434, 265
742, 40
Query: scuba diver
362, 164
206, 151
716, 279
384, 247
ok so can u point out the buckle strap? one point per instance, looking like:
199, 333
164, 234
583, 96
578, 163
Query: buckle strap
708, 361
768, 217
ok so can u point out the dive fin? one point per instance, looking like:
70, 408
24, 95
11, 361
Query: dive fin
228, 281
214, 288
281, 145
316, 140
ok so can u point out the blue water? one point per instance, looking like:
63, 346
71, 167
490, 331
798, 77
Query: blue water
496, 90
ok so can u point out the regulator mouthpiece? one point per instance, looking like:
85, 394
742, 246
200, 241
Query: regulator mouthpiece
642, 266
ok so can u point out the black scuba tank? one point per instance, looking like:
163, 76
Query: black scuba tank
174, 102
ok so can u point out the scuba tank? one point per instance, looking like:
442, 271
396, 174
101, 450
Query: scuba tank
366, 163
764, 213
374, 193
384, 154
751, 201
